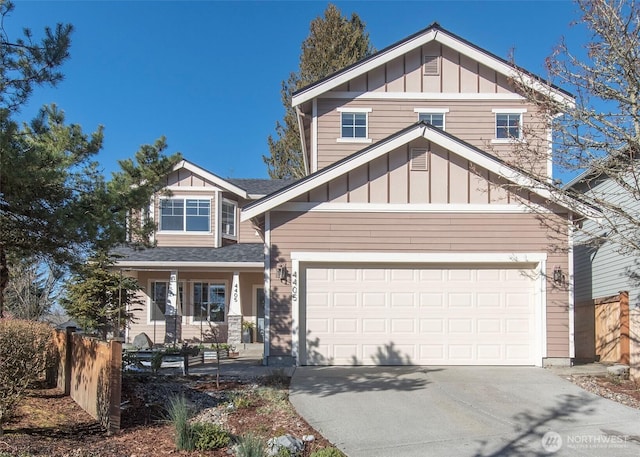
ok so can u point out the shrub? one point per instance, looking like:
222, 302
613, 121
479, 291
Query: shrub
178, 414
209, 436
25, 350
250, 445
327, 452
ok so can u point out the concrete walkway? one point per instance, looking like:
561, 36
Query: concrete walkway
461, 411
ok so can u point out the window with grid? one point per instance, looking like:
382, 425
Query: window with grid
435, 119
209, 302
190, 215
354, 125
508, 125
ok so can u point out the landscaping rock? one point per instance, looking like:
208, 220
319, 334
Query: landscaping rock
142, 341
289, 442
619, 371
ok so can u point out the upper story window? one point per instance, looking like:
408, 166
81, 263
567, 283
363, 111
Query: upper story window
228, 218
354, 125
508, 124
433, 116
185, 214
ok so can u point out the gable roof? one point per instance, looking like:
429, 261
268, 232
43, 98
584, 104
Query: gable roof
430, 133
215, 179
437, 34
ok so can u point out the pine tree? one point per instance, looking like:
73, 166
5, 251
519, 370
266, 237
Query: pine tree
334, 42
101, 298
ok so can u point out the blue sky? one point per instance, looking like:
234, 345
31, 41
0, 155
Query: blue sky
207, 74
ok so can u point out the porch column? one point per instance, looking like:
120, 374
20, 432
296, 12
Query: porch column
172, 320
234, 319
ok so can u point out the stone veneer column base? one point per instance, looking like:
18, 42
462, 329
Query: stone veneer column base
234, 336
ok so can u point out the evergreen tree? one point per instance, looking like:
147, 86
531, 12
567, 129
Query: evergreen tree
101, 298
55, 204
334, 42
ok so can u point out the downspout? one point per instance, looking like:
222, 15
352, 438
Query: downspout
300, 118
572, 324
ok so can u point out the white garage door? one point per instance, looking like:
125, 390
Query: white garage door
421, 316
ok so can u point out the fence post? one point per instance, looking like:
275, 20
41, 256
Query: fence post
624, 328
115, 382
68, 359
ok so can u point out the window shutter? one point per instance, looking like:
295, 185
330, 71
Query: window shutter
431, 65
419, 160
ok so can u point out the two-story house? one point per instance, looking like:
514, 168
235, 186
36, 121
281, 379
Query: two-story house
402, 245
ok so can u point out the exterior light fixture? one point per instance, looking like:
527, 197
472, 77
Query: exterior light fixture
558, 275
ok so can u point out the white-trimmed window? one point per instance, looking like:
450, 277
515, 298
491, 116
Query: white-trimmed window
433, 116
159, 298
354, 125
508, 124
185, 215
209, 301
228, 218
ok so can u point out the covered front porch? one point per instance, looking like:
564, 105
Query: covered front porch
197, 295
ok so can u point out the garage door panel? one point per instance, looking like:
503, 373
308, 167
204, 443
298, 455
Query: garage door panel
345, 300
460, 300
378, 326
374, 300
459, 316
402, 300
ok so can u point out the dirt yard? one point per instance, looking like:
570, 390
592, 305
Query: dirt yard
49, 424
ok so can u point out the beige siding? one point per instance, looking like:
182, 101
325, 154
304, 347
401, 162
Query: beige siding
458, 74
415, 232
191, 330
389, 179
248, 233
470, 120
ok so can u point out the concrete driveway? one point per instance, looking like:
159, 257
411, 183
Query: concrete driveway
461, 411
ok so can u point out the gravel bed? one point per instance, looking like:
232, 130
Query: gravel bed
593, 385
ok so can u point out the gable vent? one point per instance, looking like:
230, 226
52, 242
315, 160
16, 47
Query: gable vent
418, 160
431, 65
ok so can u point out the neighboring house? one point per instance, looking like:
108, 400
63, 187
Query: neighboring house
401, 246
607, 291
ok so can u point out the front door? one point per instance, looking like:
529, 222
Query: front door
260, 314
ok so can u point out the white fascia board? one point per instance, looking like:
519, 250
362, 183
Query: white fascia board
507, 172
504, 68
211, 177
417, 257
342, 207
154, 265
449, 41
331, 173
364, 67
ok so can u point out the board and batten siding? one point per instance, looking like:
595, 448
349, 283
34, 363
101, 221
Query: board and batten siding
472, 121
448, 178
458, 74
414, 233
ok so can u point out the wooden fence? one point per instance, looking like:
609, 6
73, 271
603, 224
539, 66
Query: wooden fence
90, 371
